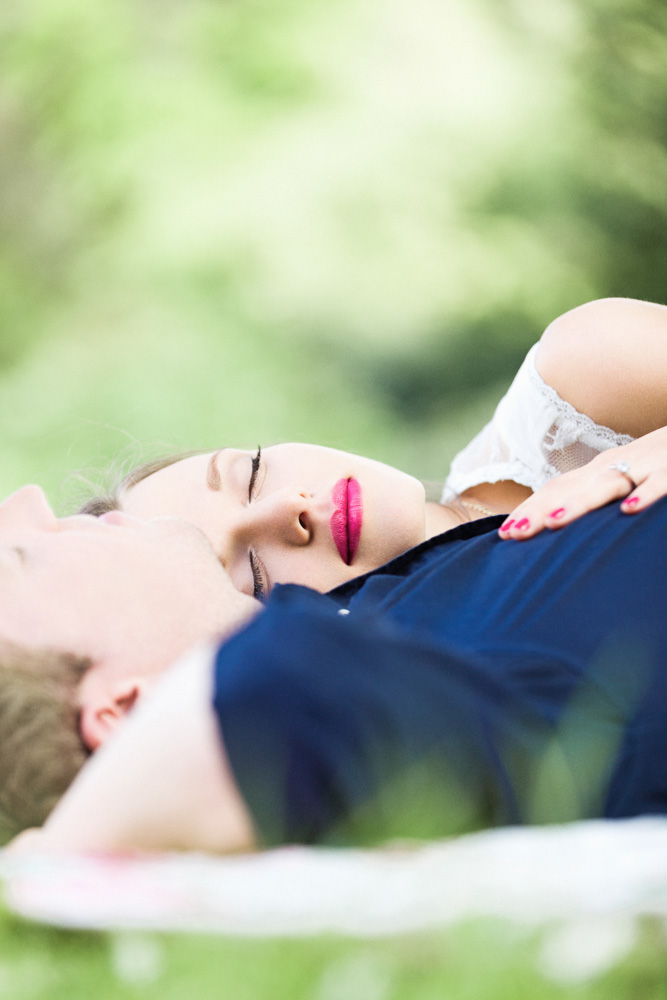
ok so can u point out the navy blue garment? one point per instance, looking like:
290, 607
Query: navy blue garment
469, 682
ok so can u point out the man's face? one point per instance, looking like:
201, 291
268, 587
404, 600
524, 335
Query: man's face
132, 595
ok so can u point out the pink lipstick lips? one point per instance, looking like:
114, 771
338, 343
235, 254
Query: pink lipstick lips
346, 518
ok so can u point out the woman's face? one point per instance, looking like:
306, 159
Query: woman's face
299, 513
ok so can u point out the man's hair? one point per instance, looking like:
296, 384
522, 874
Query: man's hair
41, 750
109, 499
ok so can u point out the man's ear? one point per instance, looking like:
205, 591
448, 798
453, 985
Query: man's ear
101, 714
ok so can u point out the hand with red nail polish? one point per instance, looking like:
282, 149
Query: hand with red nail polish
573, 494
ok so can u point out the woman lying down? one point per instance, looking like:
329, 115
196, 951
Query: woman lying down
462, 680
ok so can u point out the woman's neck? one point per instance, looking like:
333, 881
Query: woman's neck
442, 517
481, 501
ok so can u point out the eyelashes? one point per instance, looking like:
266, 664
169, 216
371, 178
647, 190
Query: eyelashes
259, 585
253, 475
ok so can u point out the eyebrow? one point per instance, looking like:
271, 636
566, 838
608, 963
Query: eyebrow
213, 480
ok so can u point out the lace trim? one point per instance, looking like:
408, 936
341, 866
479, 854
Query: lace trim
571, 422
571, 440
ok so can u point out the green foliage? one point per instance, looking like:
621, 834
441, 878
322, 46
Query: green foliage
342, 222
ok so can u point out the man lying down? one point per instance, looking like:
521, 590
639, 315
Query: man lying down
469, 682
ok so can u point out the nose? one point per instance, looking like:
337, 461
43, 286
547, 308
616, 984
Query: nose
283, 517
28, 507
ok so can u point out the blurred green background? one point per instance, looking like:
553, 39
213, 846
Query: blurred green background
481, 960
340, 221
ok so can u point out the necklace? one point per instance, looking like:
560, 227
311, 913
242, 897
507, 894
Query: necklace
478, 507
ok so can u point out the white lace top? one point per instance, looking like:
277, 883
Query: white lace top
533, 436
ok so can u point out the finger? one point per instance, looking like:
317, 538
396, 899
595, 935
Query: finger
526, 521
652, 489
558, 507
521, 526
594, 495
634, 503
528, 518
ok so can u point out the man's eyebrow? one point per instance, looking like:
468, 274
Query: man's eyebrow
213, 473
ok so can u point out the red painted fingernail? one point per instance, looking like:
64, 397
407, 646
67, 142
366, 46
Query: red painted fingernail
558, 513
523, 524
631, 502
506, 525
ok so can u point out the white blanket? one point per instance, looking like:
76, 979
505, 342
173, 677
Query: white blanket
529, 875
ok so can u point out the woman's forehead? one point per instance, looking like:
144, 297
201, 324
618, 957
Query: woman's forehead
168, 479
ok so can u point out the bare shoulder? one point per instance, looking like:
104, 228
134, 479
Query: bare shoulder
608, 358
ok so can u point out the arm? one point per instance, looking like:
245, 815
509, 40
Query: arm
609, 360
162, 782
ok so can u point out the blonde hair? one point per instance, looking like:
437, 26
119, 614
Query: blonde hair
41, 750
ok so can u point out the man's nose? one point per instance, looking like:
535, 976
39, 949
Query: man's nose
28, 507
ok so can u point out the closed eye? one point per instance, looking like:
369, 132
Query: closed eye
253, 475
260, 586
260, 582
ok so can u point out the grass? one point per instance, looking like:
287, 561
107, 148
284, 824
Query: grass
484, 959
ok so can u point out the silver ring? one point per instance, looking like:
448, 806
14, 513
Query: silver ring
624, 469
